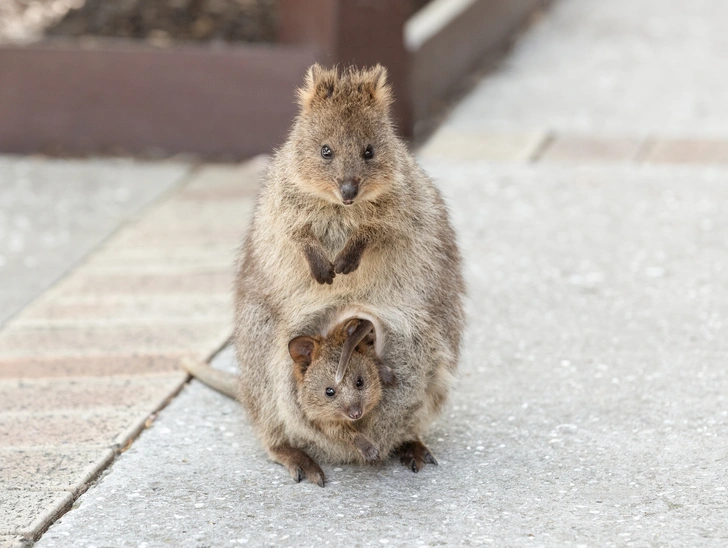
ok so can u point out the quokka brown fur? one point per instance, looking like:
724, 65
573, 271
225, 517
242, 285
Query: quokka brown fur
346, 219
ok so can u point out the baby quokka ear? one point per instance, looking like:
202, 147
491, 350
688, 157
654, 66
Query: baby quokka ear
367, 343
303, 350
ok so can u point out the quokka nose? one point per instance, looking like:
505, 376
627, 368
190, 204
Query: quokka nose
354, 412
349, 190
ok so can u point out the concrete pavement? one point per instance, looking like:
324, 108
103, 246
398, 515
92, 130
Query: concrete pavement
589, 187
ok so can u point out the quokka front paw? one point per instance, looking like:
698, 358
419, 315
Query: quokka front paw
321, 269
347, 262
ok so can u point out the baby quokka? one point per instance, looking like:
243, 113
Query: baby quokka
340, 381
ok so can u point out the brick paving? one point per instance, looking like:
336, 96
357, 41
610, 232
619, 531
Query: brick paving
586, 149
546, 146
85, 365
688, 151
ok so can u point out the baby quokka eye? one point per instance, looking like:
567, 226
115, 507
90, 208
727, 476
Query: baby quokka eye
369, 152
326, 152
330, 392
360, 383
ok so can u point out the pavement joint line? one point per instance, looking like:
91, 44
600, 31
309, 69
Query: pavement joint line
51, 324
645, 150
126, 298
540, 149
210, 267
138, 409
140, 423
90, 379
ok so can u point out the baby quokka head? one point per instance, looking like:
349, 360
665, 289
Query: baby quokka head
343, 138
339, 378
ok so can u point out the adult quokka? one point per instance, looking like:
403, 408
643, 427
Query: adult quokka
347, 219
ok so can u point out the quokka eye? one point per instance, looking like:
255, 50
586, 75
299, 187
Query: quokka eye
326, 152
359, 382
330, 392
368, 152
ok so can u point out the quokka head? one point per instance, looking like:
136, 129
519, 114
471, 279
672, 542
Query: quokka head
343, 137
340, 377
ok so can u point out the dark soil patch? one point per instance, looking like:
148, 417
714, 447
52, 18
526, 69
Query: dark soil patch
162, 21
178, 20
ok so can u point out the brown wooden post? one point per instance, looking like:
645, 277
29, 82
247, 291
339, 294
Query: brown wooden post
355, 32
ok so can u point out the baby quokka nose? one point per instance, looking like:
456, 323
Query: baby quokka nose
354, 412
349, 189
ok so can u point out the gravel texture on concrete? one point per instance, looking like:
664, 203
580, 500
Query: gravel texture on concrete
590, 410
54, 212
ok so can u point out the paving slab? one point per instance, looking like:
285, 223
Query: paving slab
92, 427
589, 149
126, 283
76, 393
13, 541
590, 408
688, 151
28, 512
51, 468
89, 365
24, 342
54, 212
482, 145
215, 182
126, 309
611, 67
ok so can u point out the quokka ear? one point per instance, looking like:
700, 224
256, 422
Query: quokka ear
369, 339
351, 325
302, 350
353, 339
319, 83
381, 90
367, 343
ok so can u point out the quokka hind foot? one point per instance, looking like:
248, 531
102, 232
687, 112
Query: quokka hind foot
414, 455
298, 464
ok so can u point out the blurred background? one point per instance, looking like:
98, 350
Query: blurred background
215, 78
